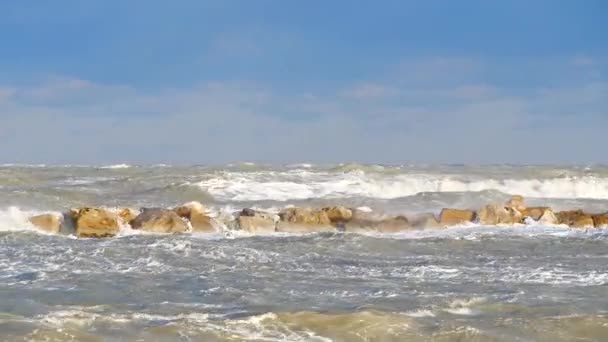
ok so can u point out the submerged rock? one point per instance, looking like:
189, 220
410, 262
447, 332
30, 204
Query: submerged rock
50, 223
160, 221
338, 215
393, 225
452, 217
254, 221
494, 214
575, 218
94, 222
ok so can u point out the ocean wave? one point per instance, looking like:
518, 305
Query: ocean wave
116, 166
304, 184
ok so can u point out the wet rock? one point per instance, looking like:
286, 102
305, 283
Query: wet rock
452, 217
160, 221
494, 214
196, 213
50, 223
600, 221
540, 214
127, 215
94, 222
305, 216
256, 222
516, 202
304, 220
338, 215
427, 221
575, 218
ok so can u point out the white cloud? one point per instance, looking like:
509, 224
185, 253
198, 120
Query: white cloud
65, 120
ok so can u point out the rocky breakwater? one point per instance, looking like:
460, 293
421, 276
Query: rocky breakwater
193, 217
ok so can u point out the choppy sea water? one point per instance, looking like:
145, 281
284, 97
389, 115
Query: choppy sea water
527, 283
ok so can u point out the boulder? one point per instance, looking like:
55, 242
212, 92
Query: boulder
600, 221
304, 220
50, 223
494, 214
516, 202
160, 221
338, 215
127, 215
255, 222
196, 213
94, 222
305, 216
540, 214
452, 217
575, 218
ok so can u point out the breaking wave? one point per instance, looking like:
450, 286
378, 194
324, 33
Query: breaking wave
303, 184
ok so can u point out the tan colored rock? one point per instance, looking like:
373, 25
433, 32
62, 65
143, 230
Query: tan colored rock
516, 202
50, 223
304, 216
338, 215
494, 214
575, 218
160, 221
127, 215
95, 222
540, 214
600, 221
428, 222
257, 222
452, 217
196, 213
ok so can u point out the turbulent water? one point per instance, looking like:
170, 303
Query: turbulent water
470, 283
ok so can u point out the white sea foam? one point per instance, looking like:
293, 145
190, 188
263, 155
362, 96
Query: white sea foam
116, 166
305, 184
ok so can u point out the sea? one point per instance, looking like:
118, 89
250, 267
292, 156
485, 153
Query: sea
528, 282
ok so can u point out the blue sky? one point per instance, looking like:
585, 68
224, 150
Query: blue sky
321, 81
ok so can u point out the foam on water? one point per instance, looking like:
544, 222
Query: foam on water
305, 184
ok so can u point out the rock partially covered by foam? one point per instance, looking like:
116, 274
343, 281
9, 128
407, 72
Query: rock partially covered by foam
159, 221
255, 222
50, 223
127, 215
494, 214
575, 218
94, 222
196, 213
452, 217
540, 214
365, 222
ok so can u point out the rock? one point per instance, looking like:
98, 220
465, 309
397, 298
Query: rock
575, 218
127, 215
50, 223
304, 220
195, 212
428, 222
494, 214
256, 222
452, 217
516, 202
600, 221
338, 215
160, 221
94, 222
540, 214
304, 216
